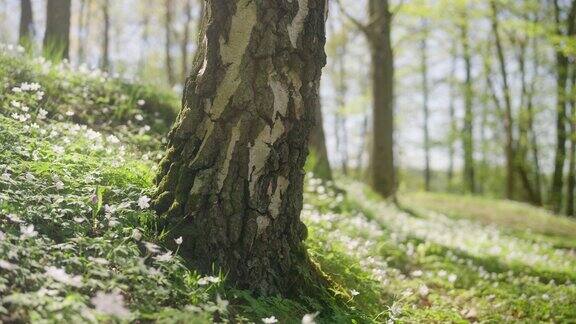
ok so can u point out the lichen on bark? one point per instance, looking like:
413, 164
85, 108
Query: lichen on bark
231, 180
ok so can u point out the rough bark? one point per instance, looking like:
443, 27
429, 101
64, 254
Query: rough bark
382, 154
26, 33
232, 178
562, 64
57, 36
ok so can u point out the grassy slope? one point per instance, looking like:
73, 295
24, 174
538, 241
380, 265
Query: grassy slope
419, 266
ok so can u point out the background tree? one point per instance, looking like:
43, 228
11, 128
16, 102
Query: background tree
231, 181
26, 33
57, 35
105, 64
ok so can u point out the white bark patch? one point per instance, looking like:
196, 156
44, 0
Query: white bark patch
232, 52
223, 172
262, 222
260, 150
297, 24
297, 97
276, 199
205, 63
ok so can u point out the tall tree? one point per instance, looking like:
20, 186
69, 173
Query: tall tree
81, 31
565, 28
378, 33
231, 181
468, 131
507, 120
321, 168
571, 185
185, 38
105, 63
425, 102
168, 8
57, 36
26, 34
452, 112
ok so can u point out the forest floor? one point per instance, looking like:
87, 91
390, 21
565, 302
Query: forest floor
78, 152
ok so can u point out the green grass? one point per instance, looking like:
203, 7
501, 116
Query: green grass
449, 259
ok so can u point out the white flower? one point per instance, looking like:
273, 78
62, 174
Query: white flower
6, 176
442, 273
141, 102
42, 113
208, 279
60, 275
2, 236
354, 292
452, 278
270, 320
7, 265
29, 176
113, 139
417, 273
136, 234
58, 149
139, 117
164, 257
59, 185
110, 304
27, 231
143, 202
69, 113
15, 104
151, 247
16, 89
25, 108
178, 240
309, 318
423, 290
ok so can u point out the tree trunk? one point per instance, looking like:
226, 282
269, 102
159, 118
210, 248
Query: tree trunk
467, 132
425, 109
571, 185
168, 41
144, 36
231, 181
26, 35
80, 32
321, 168
508, 122
186, 38
382, 158
452, 112
562, 64
105, 64
341, 91
57, 36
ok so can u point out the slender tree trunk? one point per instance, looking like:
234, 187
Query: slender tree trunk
468, 132
169, 4
342, 89
231, 181
425, 108
530, 121
508, 121
186, 38
452, 113
57, 36
322, 168
80, 33
26, 35
562, 64
105, 63
571, 185
382, 154
144, 36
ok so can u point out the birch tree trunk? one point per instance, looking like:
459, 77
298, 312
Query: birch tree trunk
232, 178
